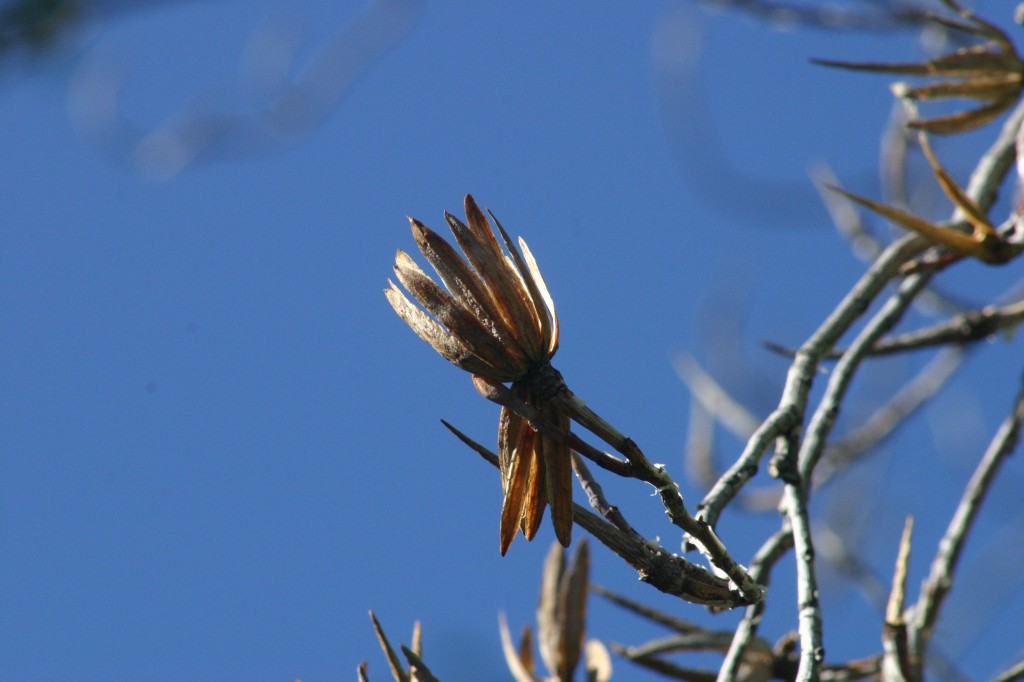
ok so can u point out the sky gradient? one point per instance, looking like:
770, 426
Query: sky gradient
219, 446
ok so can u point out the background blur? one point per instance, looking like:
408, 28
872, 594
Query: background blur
219, 447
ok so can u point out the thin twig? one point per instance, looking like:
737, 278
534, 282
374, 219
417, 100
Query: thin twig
847, 220
636, 466
940, 579
652, 614
968, 327
714, 398
699, 531
891, 17
789, 414
596, 498
963, 329
663, 667
828, 408
982, 189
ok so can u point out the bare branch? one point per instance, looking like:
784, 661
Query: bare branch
774, 548
940, 579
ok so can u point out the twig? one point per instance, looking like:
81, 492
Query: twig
961, 330
865, 668
702, 534
663, 667
940, 579
663, 570
789, 414
982, 189
637, 466
659, 617
500, 394
846, 219
828, 408
968, 327
699, 451
596, 498
699, 640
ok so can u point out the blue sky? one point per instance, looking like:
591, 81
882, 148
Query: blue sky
220, 447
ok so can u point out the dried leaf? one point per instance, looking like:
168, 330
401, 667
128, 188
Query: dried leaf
450, 348
393, 661
516, 666
540, 317
955, 240
897, 596
518, 302
542, 287
460, 322
417, 638
549, 624
526, 648
555, 460
457, 276
495, 318
983, 88
517, 490
975, 216
573, 605
418, 670
875, 67
963, 121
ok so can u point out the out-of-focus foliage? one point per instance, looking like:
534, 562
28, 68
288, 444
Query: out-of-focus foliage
35, 25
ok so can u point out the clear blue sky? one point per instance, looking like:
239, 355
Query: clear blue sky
219, 447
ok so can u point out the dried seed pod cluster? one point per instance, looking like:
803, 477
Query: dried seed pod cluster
495, 319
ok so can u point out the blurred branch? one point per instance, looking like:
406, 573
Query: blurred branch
882, 422
35, 24
1011, 674
864, 16
202, 132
